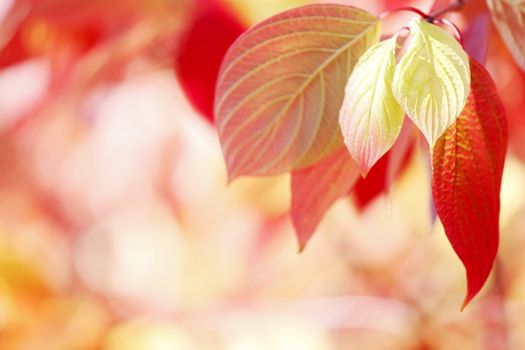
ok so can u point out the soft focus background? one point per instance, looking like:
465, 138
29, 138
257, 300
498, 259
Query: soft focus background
118, 231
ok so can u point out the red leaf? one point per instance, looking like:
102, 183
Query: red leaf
12, 47
316, 188
374, 184
467, 168
14, 51
212, 31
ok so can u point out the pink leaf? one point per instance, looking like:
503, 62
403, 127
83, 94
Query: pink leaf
467, 169
316, 188
281, 86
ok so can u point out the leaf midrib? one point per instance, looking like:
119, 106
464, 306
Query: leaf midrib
331, 59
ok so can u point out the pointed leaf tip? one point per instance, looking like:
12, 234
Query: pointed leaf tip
281, 85
468, 162
432, 80
370, 117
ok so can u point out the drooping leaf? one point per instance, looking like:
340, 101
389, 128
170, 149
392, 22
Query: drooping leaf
467, 168
432, 80
316, 188
197, 64
281, 86
371, 118
509, 17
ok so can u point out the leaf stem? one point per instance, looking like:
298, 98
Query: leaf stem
434, 16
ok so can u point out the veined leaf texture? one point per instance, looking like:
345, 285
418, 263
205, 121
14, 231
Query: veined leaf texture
281, 86
468, 164
371, 118
432, 80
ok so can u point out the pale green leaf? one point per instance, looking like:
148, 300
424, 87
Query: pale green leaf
432, 80
371, 118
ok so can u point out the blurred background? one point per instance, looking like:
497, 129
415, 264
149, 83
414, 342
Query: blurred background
118, 231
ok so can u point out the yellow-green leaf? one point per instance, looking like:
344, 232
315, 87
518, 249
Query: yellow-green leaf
432, 80
371, 118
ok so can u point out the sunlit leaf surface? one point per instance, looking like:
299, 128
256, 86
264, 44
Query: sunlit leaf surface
281, 87
432, 79
371, 118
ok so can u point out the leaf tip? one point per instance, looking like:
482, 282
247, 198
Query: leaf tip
468, 298
232, 174
301, 246
302, 233
465, 303
364, 165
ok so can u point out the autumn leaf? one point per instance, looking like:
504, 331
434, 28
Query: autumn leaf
198, 62
316, 188
432, 80
371, 118
281, 86
509, 17
466, 178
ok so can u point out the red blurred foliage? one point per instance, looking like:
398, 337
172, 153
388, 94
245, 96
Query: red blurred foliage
377, 182
509, 78
85, 44
213, 29
48, 26
79, 20
373, 185
66, 32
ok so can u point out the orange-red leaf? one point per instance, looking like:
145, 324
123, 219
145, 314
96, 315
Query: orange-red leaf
467, 168
316, 188
281, 86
